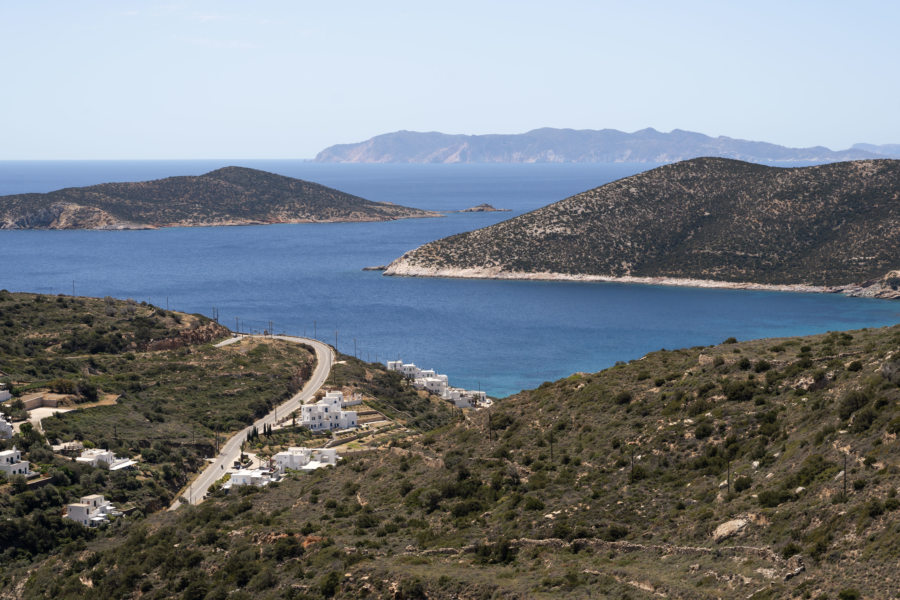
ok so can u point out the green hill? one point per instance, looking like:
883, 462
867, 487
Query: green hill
706, 219
228, 196
707, 472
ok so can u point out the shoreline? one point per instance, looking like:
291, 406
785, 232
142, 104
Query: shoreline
870, 289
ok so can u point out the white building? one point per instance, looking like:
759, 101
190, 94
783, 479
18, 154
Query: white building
11, 463
91, 511
95, 456
466, 398
439, 385
327, 414
305, 459
4, 393
6, 428
257, 477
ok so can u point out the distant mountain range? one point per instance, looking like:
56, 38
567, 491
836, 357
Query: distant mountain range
228, 196
549, 145
711, 220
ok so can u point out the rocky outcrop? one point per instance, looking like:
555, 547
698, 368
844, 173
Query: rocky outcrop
484, 208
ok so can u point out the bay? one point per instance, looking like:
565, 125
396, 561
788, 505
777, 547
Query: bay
501, 336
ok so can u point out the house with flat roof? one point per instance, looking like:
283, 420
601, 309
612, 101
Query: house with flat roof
6, 428
327, 414
256, 477
11, 463
439, 385
91, 511
95, 456
305, 459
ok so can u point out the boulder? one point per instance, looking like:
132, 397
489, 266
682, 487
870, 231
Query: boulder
728, 529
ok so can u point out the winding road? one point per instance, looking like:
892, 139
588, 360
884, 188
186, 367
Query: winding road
231, 449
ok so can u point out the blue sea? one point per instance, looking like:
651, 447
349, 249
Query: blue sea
307, 279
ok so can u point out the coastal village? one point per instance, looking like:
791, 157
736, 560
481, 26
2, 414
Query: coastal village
337, 420
328, 416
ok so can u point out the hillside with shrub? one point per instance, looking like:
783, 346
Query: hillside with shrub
144, 382
710, 219
760, 469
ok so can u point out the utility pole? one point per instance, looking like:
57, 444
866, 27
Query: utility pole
355, 355
314, 331
335, 340
845, 477
729, 476
167, 303
73, 287
551, 444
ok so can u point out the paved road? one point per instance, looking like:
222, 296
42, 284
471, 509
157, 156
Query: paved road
231, 450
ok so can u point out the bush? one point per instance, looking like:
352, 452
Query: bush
852, 402
703, 430
742, 483
772, 498
623, 397
532, 503
863, 420
739, 391
762, 365
855, 366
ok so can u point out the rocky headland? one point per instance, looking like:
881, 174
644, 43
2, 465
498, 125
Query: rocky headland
705, 222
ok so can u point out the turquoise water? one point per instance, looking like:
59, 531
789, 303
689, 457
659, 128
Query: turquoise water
503, 336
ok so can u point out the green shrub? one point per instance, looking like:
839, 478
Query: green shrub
852, 402
623, 397
742, 483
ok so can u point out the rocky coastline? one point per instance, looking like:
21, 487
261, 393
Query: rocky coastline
879, 288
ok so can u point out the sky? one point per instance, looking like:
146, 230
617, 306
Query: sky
125, 79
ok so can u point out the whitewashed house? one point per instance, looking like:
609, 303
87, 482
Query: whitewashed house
327, 414
439, 385
4, 393
95, 456
256, 477
305, 459
6, 428
466, 398
11, 463
91, 511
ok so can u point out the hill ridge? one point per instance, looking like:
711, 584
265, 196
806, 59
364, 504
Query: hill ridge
707, 221
227, 196
552, 145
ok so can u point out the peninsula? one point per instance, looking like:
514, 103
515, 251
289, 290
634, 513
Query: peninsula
548, 145
707, 222
227, 196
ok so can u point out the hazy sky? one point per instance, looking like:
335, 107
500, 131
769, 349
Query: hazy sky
284, 79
